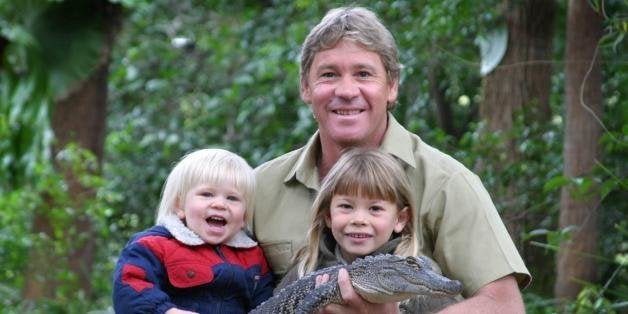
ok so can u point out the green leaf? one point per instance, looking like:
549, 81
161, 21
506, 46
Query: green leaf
555, 183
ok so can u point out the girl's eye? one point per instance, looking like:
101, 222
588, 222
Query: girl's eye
207, 194
376, 208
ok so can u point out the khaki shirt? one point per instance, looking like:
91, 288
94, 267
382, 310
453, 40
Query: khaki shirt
458, 224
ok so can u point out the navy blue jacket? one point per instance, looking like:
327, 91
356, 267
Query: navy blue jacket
156, 272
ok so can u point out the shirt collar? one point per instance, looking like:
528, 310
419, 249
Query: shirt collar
397, 142
305, 169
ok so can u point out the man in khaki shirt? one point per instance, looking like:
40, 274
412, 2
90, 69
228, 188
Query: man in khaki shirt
349, 78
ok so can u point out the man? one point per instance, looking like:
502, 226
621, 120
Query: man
349, 78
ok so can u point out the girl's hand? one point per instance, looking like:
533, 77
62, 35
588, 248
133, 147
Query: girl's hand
321, 279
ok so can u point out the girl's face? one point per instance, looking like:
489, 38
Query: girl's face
361, 225
214, 212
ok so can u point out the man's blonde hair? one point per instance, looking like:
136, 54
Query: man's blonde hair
355, 23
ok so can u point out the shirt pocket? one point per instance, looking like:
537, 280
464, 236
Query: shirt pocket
279, 255
189, 274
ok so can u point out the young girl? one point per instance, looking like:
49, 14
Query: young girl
197, 258
363, 208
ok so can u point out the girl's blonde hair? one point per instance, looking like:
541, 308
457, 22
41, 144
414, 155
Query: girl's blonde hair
367, 173
206, 166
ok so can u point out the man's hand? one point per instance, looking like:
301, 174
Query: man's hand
499, 296
353, 302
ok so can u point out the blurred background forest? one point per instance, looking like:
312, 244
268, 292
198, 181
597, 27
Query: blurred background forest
99, 98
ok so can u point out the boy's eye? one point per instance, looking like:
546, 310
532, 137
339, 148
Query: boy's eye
233, 198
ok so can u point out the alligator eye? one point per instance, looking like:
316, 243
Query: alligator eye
413, 261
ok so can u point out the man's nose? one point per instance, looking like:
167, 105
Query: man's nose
347, 88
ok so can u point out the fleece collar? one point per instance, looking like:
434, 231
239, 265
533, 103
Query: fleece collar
186, 236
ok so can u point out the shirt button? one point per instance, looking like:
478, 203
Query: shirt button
191, 274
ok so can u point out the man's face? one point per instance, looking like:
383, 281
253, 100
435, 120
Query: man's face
348, 91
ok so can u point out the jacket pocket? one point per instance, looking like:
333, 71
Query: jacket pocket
189, 274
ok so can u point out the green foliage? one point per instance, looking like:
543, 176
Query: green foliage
232, 83
24, 105
49, 198
190, 74
70, 42
50, 45
434, 42
538, 180
590, 301
616, 23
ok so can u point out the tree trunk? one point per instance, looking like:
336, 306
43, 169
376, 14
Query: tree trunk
3, 43
583, 96
444, 115
78, 117
519, 85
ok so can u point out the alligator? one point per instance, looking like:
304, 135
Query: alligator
377, 279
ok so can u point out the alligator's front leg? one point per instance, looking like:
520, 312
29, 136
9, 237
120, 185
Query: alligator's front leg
323, 295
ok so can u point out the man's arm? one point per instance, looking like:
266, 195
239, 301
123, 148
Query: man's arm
499, 296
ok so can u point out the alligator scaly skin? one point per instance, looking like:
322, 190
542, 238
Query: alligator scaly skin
378, 279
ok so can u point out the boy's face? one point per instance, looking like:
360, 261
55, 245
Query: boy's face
214, 212
361, 225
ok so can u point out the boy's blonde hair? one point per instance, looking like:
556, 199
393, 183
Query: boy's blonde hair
206, 166
367, 173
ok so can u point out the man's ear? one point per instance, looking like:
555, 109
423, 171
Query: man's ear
402, 219
306, 93
392, 91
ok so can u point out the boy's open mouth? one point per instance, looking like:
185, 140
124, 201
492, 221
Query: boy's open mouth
216, 220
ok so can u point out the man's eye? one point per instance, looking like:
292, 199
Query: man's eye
364, 74
328, 74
